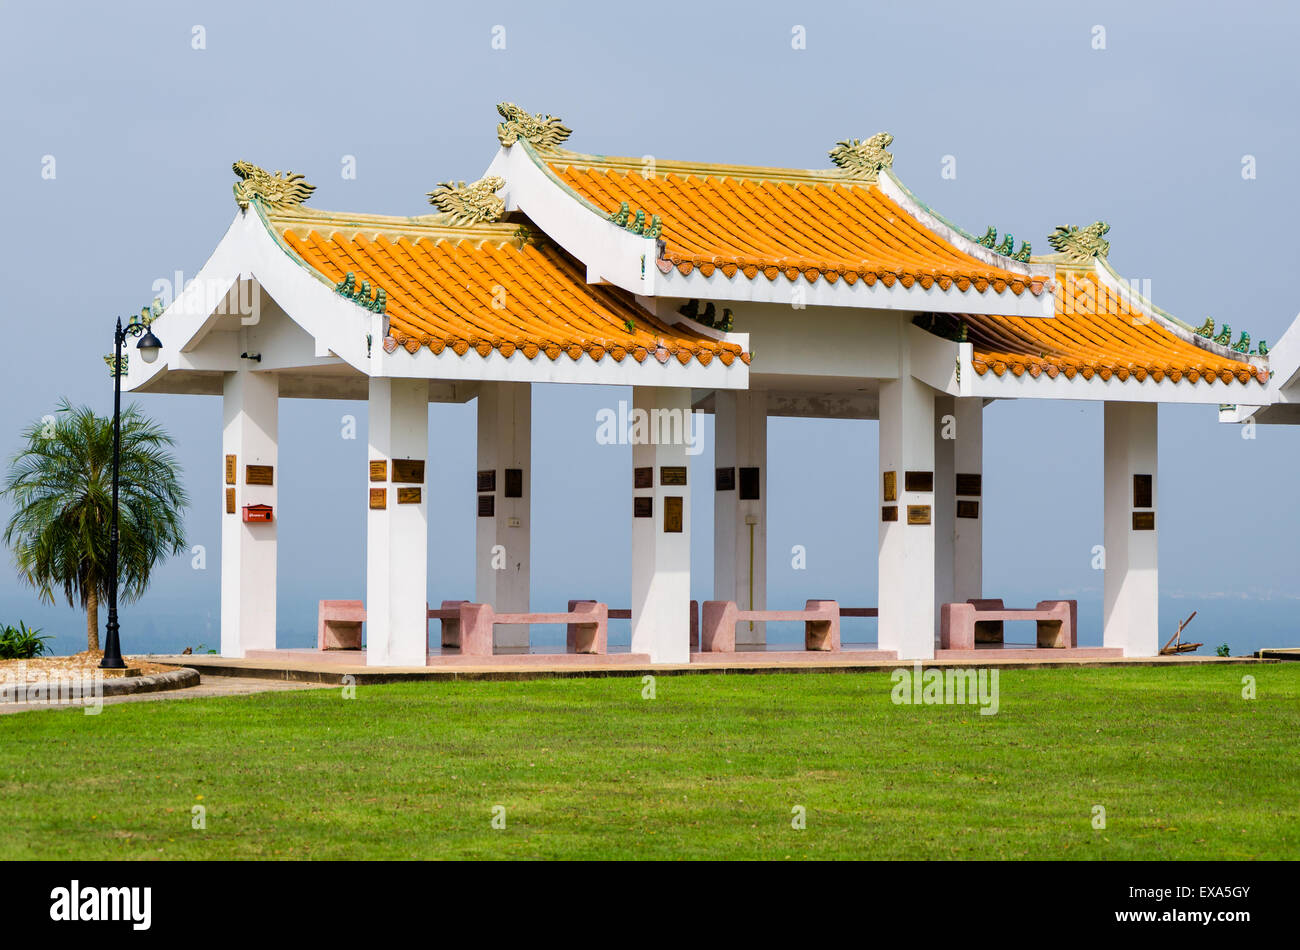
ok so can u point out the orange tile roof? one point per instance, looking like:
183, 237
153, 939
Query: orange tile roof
1097, 332
475, 288
781, 221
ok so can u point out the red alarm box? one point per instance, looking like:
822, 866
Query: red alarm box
258, 513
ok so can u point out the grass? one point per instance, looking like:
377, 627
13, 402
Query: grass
712, 767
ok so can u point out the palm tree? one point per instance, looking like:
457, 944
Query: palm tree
61, 487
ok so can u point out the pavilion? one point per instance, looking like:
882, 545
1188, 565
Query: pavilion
742, 291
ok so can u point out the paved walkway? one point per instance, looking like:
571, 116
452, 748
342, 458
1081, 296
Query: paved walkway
209, 686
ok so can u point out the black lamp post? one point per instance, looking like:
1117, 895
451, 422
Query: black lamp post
148, 346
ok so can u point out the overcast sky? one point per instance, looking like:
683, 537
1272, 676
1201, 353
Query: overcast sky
1148, 133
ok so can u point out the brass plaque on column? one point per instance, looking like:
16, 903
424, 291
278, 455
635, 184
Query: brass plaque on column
1142, 492
891, 487
918, 514
673, 514
514, 483
643, 477
749, 479
487, 506
408, 470
918, 481
259, 475
231, 469
724, 479
968, 509
643, 507
487, 479
230, 500
672, 475
379, 498
408, 496
378, 470
1144, 521
969, 484
889, 513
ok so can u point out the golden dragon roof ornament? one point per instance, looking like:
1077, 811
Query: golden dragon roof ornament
1080, 245
864, 159
278, 190
543, 132
470, 204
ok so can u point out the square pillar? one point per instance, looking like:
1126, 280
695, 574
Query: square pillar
740, 506
661, 524
906, 541
1131, 602
945, 503
968, 525
397, 535
250, 409
503, 535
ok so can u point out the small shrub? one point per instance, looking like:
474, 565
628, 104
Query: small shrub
21, 642
1223, 650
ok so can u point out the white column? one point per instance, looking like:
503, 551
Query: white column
906, 551
1131, 605
968, 532
397, 538
503, 537
250, 414
661, 543
945, 503
740, 524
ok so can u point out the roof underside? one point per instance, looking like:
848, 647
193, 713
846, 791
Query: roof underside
774, 221
483, 288
1096, 331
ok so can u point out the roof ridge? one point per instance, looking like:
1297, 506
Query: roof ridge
830, 176
437, 226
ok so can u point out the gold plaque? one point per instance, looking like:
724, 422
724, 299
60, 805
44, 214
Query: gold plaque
918, 514
230, 498
408, 470
673, 514
379, 498
231, 469
1144, 521
918, 481
891, 487
259, 475
672, 475
889, 513
643, 477
1143, 493
968, 509
969, 484
378, 470
643, 507
408, 496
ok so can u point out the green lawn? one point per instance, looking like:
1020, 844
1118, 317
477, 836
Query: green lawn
1185, 767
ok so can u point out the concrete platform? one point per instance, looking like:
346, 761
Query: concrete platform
331, 666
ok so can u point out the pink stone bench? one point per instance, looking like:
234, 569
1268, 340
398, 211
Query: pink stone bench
588, 621
961, 626
625, 613
821, 620
338, 624
449, 615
